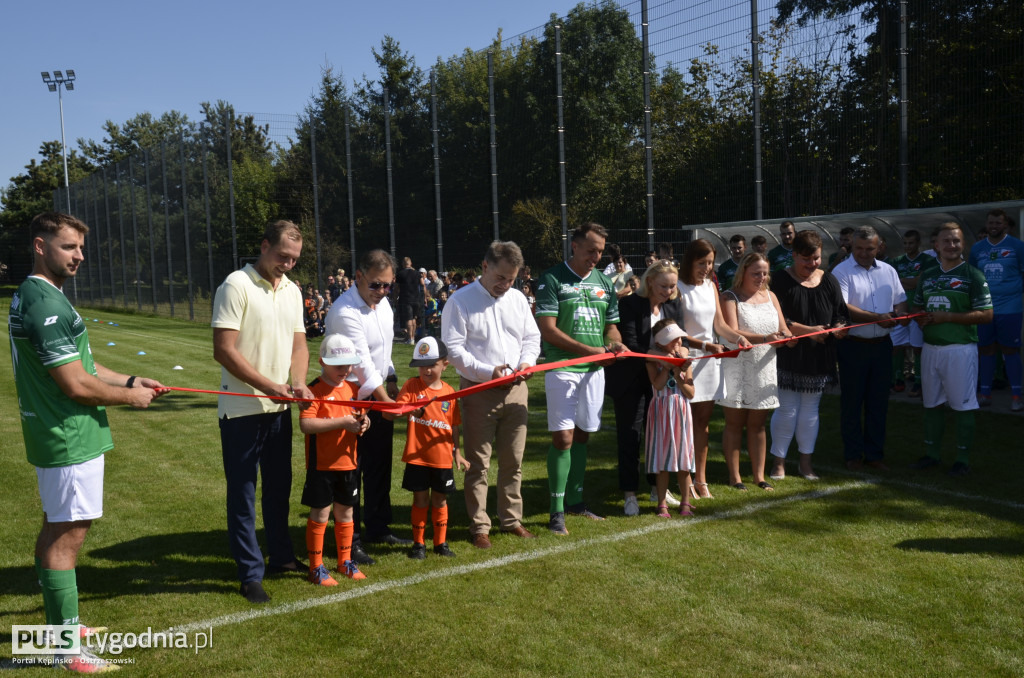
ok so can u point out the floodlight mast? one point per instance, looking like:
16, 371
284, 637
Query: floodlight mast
53, 84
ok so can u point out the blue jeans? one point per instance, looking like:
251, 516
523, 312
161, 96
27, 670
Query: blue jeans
263, 443
865, 369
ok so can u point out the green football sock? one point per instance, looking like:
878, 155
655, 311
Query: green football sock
897, 364
60, 596
964, 434
577, 468
934, 423
39, 580
558, 473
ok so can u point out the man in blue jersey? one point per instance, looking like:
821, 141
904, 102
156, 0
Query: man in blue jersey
1001, 258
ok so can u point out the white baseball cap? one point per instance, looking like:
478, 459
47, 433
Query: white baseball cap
668, 333
428, 351
337, 349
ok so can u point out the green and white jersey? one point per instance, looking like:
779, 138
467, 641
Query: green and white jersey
910, 268
958, 290
726, 273
46, 332
583, 306
779, 258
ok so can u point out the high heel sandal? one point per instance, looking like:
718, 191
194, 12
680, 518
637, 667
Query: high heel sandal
686, 509
705, 486
663, 511
693, 492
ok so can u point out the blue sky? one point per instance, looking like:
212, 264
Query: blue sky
260, 56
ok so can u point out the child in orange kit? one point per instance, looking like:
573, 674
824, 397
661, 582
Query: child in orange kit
431, 445
331, 433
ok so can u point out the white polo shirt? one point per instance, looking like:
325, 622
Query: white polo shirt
876, 289
482, 332
372, 330
267, 321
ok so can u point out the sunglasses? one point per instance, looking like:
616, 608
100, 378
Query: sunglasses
377, 286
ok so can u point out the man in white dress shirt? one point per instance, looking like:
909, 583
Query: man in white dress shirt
364, 315
872, 292
490, 332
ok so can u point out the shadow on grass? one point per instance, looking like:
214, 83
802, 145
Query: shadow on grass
995, 546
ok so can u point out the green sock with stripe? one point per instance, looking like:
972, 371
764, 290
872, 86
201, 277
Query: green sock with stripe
577, 469
934, 424
558, 474
964, 435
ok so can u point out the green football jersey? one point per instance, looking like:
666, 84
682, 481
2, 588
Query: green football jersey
47, 332
911, 268
958, 290
583, 307
726, 273
779, 258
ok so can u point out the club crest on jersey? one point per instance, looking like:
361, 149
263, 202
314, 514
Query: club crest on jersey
446, 405
955, 283
599, 294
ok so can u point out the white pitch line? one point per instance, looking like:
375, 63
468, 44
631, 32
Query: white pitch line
298, 606
876, 480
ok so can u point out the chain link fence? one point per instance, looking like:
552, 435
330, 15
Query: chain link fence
650, 117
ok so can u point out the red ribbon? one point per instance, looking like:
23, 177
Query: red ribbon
403, 408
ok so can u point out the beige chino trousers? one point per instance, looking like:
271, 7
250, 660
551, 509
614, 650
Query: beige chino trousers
495, 417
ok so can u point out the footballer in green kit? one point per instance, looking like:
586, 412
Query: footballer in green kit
62, 392
954, 297
577, 314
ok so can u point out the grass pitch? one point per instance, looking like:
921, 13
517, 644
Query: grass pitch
888, 574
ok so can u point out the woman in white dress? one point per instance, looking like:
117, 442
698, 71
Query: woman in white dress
751, 386
703, 323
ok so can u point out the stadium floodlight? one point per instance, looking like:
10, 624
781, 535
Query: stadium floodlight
54, 84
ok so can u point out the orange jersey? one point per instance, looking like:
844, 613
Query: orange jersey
334, 450
429, 441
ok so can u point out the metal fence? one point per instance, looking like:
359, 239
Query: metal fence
646, 116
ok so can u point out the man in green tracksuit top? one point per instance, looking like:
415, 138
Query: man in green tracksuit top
577, 313
61, 394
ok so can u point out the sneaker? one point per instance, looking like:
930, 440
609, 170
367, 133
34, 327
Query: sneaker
85, 631
654, 496
924, 462
557, 524
915, 390
1016, 404
254, 593
899, 386
84, 662
418, 552
632, 507
360, 556
984, 400
349, 569
321, 577
670, 500
582, 510
959, 470
443, 550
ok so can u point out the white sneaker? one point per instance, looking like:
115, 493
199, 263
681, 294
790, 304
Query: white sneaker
84, 662
670, 500
632, 507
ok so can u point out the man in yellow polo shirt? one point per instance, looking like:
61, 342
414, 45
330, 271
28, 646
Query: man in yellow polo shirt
260, 341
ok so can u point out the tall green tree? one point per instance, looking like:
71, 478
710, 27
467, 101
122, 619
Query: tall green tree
28, 194
412, 160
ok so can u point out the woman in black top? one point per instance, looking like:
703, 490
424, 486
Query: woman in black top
811, 301
626, 380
